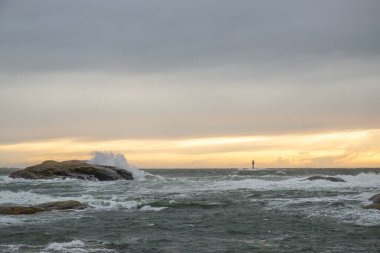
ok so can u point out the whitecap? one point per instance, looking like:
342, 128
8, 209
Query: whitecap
150, 208
64, 246
116, 160
350, 210
25, 198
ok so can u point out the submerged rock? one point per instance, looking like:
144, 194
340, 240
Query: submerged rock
72, 169
375, 198
375, 202
332, 179
49, 206
372, 206
16, 210
61, 205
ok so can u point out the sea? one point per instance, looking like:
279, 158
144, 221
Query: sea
197, 210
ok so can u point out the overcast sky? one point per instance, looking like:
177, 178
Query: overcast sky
108, 70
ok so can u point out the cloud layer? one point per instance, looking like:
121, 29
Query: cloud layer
169, 35
109, 70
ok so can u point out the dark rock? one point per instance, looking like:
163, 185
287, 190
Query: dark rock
375, 198
49, 206
16, 210
375, 202
332, 179
72, 169
61, 205
372, 206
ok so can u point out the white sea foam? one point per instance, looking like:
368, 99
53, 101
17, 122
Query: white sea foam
75, 246
346, 209
97, 202
63, 246
104, 203
150, 208
24, 198
11, 247
4, 180
116, 160
362, 180
9, 221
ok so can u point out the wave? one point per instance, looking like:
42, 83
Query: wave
116, 160
151, 208
73, 246
8, 180
362, 180
103, 202
345, 208
25, 198
342, 200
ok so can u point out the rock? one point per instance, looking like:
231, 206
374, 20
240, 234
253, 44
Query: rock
332, 179
49, 206
16, 210
375, 202
61, 205
375, 198
372, 206
72, 169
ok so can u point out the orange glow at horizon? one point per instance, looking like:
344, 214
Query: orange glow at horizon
360, 148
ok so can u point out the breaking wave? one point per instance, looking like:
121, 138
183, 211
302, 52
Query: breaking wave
117, 160
362, 180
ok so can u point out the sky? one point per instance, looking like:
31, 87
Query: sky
195, 84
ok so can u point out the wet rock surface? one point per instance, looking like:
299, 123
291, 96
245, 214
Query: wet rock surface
332, 179
375, 198
49, 206
72, 169
372, 206
375, 202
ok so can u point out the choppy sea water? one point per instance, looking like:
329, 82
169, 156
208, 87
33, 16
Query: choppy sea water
198, 211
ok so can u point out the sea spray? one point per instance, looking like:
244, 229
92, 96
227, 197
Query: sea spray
117, 160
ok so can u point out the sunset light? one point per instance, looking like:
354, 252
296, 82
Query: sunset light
335, 149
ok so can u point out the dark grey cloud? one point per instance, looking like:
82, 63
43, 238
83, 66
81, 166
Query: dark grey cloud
143, 36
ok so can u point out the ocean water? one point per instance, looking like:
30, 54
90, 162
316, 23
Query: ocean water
210, 210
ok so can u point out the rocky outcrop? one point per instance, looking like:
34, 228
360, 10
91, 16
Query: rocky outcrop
372, 206
332, 179
375, 198
61, 205
72, 169
49, 206
375, 202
